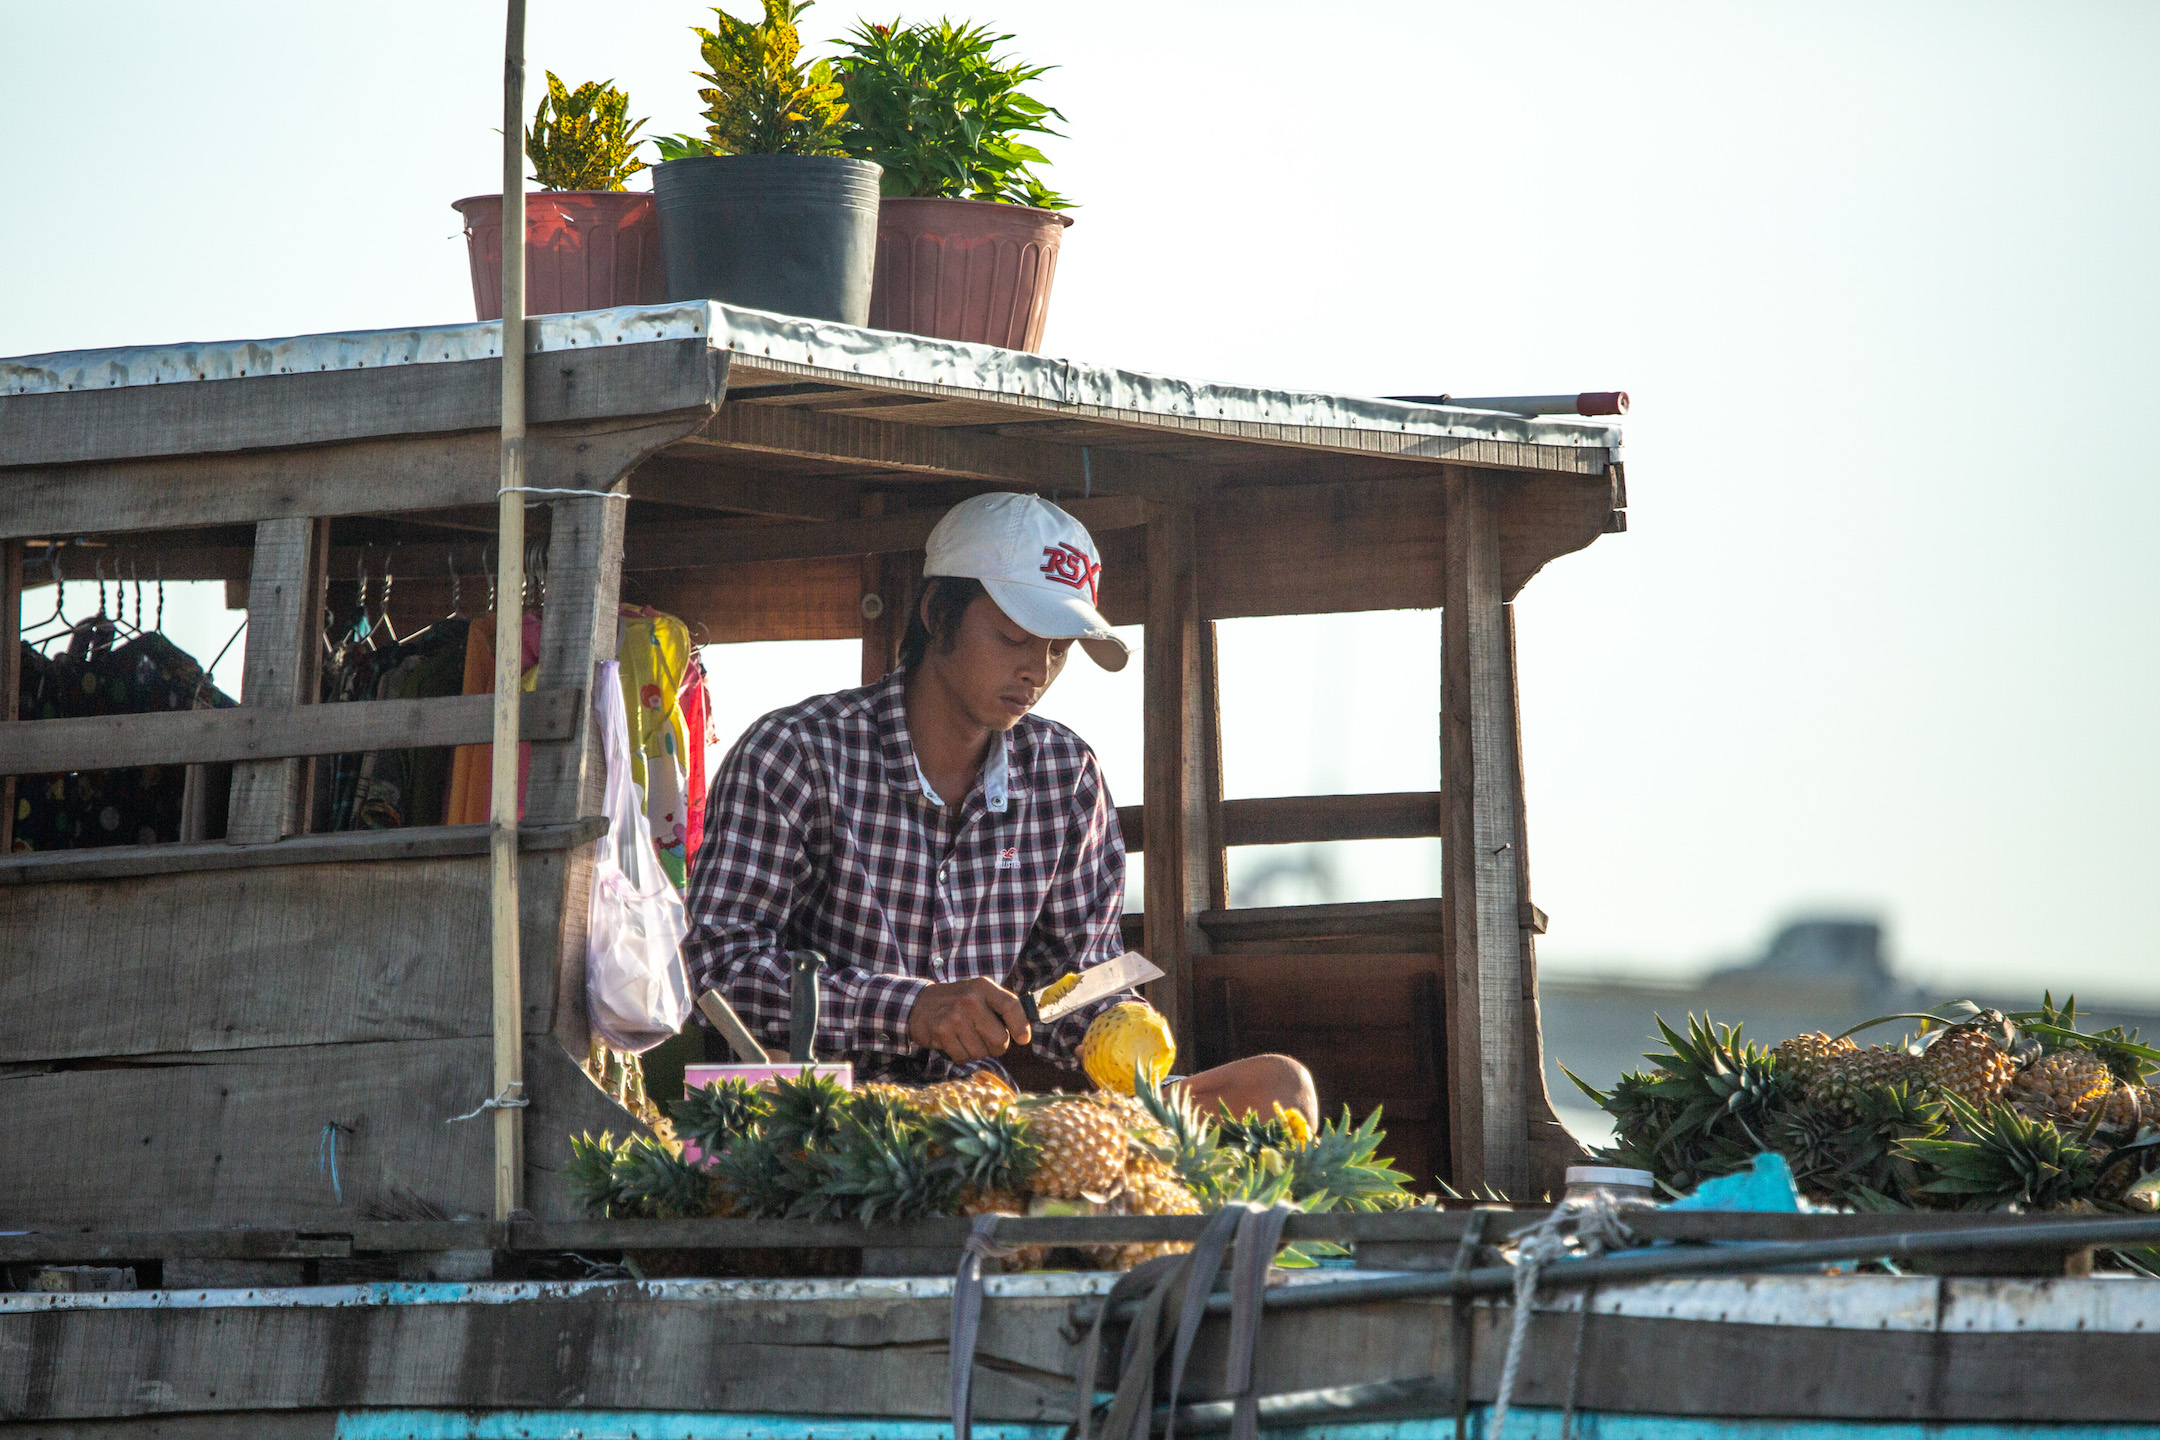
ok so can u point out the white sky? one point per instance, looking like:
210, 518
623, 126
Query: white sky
1880, 279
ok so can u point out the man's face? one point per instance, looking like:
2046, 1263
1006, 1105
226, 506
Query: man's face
997, 670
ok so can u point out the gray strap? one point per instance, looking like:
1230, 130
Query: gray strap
1259, 1232
967, 1298
1141, 1281
1207, 1258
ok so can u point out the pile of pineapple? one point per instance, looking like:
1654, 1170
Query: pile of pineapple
806, 1148
1993, 1112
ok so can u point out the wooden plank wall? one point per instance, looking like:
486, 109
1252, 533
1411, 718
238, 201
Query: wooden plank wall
283, 667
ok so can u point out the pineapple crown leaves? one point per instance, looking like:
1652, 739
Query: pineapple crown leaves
807, 1111
591, 1173
879, 1167
2118, 1048
759, 99
657, 1183
1195, 1150
714, 1114
1340, 1168
988, 1150
2008, 1159
764, 1179
583, 139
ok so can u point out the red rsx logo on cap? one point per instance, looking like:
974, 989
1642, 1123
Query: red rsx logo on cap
1069, 566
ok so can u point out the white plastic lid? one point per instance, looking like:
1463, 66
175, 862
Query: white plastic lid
1610, 1175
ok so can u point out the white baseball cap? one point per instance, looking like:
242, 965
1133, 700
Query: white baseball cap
1038, 563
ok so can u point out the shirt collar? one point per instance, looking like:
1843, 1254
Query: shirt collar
903, 770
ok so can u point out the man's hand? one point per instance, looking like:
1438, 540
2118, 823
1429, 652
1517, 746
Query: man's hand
968, 1020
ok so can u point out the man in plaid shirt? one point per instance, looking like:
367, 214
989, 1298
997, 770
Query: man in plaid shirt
940, 845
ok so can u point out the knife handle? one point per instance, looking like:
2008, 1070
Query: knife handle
803, 1005
1027, 1003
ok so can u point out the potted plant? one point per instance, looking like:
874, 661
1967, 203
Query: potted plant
589, 243
764, 210
967, 234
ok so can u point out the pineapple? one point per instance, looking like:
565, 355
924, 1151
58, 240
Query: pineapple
1341, 1168
1806, 1055
987, 1152
879, 1167
1845, 1077
1968, 1061
1083, 1148
2010, 1159
656, 1182
983, 1090
806, 1112
760, 1178
2064, 1086
715, 1114
1152, 1187
2126, 1107
1125, 1040
592, 1174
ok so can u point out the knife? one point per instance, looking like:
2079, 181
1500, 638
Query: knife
730, 1025
1129, 969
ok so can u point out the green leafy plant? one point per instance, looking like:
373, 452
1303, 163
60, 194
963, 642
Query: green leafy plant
943, 114
759, 100
583, 139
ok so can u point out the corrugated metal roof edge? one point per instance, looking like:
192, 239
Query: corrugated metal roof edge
847, 351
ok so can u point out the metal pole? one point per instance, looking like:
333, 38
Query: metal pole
509, 646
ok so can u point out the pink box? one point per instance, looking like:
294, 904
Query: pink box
697, 1077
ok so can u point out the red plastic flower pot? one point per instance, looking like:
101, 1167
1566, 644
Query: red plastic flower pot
975, 270
584, 250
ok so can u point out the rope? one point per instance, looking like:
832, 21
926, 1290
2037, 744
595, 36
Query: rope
1589, 1226
326, 1155
508, 1100
543, 490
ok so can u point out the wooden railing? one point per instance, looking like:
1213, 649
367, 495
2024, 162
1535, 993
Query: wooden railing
271, 732
1294, 819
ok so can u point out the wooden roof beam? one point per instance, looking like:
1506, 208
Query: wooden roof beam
945, 452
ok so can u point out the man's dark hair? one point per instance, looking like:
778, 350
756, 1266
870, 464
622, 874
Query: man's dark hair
948, 598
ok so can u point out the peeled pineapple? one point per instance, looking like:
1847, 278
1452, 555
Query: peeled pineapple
1125, 1038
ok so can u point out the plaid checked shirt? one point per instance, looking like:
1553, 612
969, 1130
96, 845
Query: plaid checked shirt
818, 836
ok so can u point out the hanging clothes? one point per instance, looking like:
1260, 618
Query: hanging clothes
655, 652
698, 721
94, 676
390, 789
471, 769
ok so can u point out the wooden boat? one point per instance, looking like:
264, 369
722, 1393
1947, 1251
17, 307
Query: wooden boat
227, 1063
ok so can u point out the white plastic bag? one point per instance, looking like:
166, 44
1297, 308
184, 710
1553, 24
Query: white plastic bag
636, 994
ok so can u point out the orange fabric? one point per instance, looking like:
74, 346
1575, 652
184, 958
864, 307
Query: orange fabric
471, 776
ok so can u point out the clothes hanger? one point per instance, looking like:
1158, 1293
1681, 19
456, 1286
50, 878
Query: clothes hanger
59, 616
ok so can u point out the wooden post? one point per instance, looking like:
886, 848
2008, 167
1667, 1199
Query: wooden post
11, 585
1182, 795
1481, 939
1551, 1147
284, 667
569, 776
890, 580
509, 1008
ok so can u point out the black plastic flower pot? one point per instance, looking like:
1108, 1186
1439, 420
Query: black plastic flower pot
796, 234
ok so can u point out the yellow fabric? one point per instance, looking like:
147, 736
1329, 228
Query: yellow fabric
655, 656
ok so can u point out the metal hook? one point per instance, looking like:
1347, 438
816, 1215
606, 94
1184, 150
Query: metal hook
489, 571
457, 601
100, 587
161, 594
59, 581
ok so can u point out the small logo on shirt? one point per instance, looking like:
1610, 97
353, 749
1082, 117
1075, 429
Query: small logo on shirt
1069, 565
1009, 859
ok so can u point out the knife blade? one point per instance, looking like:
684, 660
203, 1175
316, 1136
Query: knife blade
1130, 969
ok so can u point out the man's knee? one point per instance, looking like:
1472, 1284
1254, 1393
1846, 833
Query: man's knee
1256, 1084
